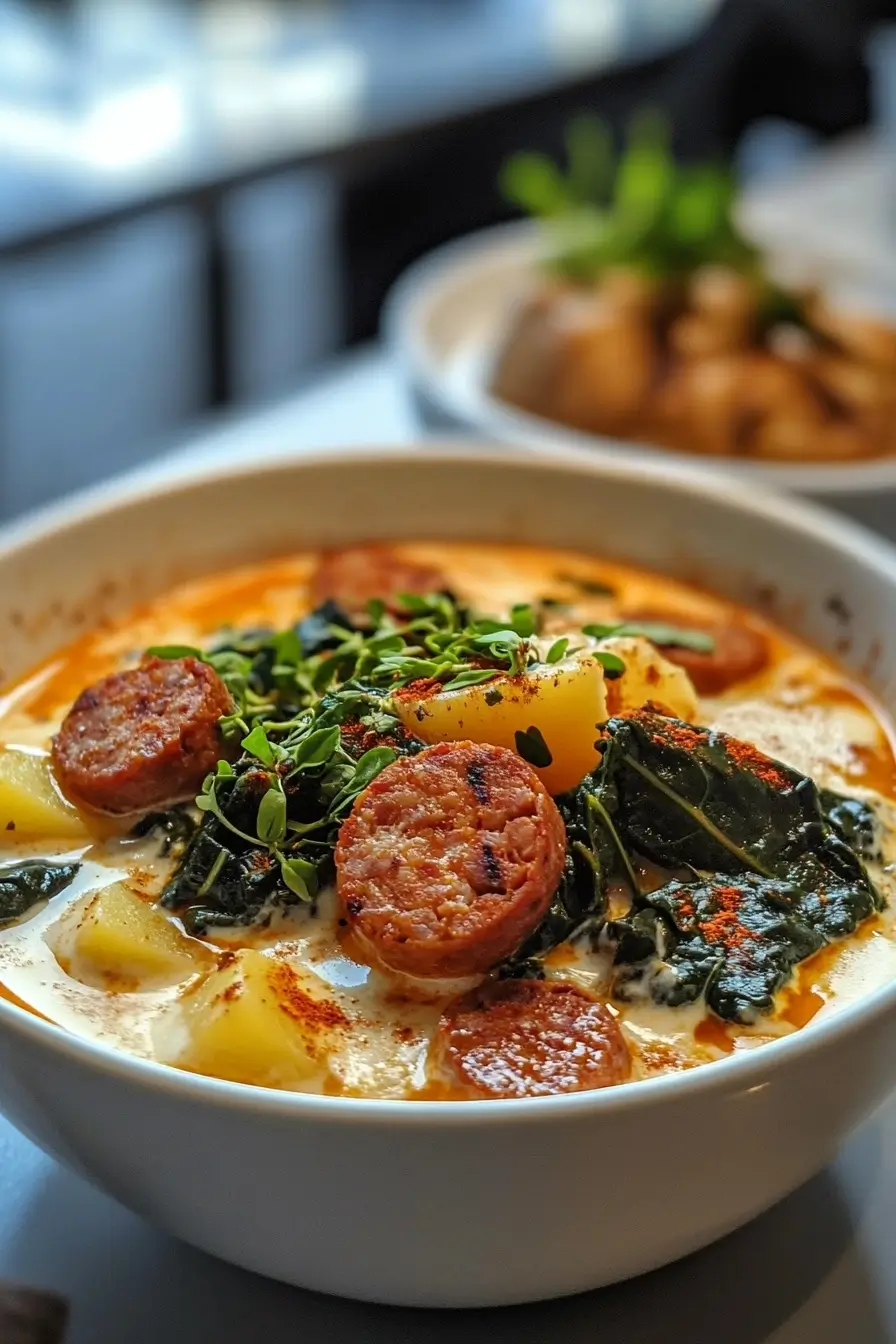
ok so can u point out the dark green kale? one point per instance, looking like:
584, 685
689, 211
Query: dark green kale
733, 941
271, 821
23, 884
174, 829
854, 821
682, 796
580, 899
688, 798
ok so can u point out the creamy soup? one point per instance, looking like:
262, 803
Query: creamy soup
442, 822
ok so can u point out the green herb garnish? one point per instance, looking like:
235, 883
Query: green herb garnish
313, 716
658, 632
638, 209
533, 748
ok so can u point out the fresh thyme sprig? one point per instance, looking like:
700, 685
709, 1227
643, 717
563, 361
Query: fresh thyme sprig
296, 692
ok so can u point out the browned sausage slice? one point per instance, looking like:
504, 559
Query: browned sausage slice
531, 1038
142, 738
450, 859
353, 576
740, 651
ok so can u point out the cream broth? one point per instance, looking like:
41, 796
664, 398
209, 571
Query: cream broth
373, 1031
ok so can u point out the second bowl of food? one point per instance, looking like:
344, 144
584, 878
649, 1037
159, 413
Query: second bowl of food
633, 309
451, 844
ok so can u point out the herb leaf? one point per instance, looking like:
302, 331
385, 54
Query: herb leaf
300, 877
256, 744
474, 677
366, 771
611, 663
271, 823
315, 749
643, 212
23, 884
532, 747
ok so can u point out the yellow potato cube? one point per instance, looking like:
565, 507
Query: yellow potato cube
648, 675
31, 805
565, 702
251, 1021
115, 940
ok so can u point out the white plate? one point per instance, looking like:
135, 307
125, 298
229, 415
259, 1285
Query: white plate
444, 321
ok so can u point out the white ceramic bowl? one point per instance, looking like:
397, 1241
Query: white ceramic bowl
444, 321
434, 1203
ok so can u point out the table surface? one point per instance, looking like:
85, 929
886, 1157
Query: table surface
817, 1268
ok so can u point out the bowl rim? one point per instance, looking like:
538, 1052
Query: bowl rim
431, 277
748, 1071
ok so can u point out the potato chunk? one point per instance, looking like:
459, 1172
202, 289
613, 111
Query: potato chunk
115, 940
31, 805
648, 675
251, 1021
565, 702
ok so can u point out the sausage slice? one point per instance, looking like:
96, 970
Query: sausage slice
353, 576
531, 1038
142, 738
450, 859
740, 651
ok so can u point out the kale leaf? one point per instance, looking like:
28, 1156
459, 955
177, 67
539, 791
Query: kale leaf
686, 796
22, 885
689, 798
580, 898
734, 941
174, 829
224, 878
854, 821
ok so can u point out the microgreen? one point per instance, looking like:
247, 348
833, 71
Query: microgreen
299, 877
366, 771
207, 801
312, 750
474, 677
523, 620
533, 748
611, 663
256, 744
658, 632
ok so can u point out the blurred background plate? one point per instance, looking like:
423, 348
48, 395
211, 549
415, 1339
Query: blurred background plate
445, 318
